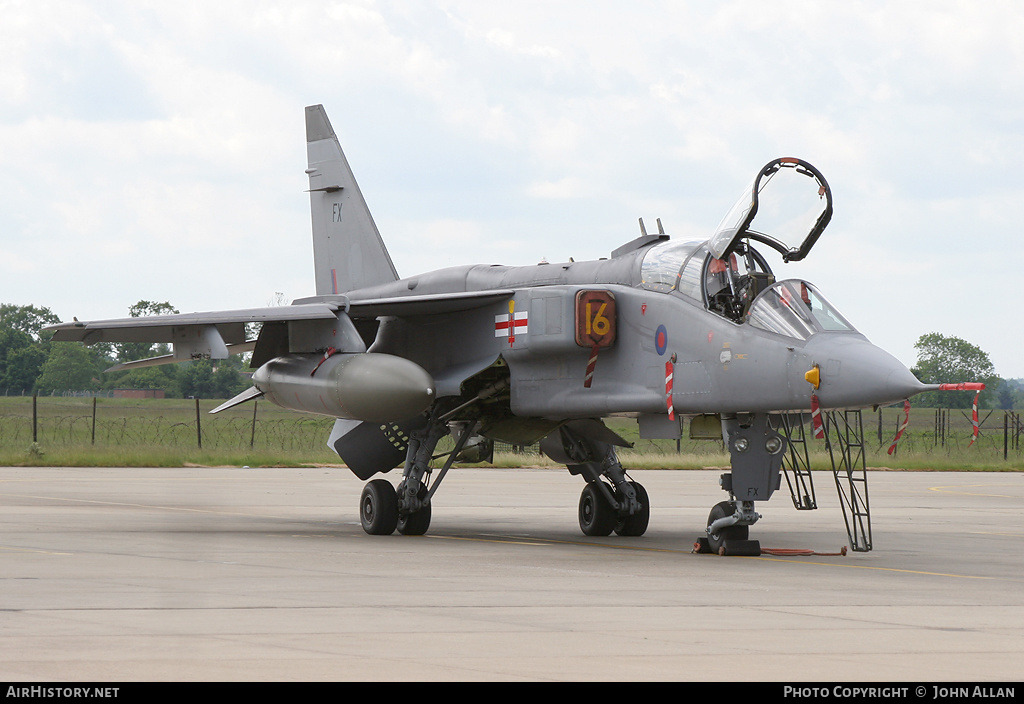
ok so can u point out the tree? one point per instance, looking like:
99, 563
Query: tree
22, 367
163, 377
69, 367
208, 378
948, 360
1011, 394
23, 347
27, 319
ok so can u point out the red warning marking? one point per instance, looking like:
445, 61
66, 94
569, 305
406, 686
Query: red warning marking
903, 426
816, 424
668, 390
590, 366
974, 417
968, 386
327, 354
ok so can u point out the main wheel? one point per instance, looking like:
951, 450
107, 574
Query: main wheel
415, 523
637, 523
597, 517
721, 510
378, 508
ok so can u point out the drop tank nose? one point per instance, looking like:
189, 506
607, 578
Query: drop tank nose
856, 374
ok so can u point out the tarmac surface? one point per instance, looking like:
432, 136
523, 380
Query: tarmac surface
208, 574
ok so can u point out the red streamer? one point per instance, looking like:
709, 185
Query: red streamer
903, 426
819, 429
668, 390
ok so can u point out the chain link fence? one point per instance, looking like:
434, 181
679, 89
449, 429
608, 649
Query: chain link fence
63, 421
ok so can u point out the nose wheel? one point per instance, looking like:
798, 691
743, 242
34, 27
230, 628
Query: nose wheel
716, 539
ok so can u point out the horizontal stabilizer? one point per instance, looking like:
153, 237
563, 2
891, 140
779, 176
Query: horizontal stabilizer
247, 395
171, 359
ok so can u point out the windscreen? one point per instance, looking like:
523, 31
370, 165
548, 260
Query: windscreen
796, 309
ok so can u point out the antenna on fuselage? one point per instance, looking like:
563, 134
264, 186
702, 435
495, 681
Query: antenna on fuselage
643, 230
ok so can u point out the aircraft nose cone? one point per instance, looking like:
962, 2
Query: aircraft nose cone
856, 374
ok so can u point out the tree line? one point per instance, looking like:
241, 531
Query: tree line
31, 363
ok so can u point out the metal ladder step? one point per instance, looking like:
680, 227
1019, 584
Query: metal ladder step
844, 439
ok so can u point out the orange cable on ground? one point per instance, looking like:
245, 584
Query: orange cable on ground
787, 552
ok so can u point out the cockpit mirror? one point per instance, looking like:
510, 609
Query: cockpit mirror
790, 200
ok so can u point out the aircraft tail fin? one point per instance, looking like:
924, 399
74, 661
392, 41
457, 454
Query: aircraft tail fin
348, 252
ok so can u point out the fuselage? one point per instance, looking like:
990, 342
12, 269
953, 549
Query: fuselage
750, 355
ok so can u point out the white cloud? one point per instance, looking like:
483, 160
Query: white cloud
151, 137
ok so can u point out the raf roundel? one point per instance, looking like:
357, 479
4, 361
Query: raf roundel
661, 339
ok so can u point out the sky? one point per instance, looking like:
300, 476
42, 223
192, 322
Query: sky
156, 151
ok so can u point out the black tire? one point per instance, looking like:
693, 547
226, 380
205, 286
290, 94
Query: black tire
415, 523
378, 508
637, 523
721, 510
597, 517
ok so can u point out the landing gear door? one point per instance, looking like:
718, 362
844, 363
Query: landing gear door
787, 207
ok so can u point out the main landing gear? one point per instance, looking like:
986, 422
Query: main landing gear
610, 501
383, 509
600, 515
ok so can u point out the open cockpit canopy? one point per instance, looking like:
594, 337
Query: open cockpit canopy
729, 277
789, 213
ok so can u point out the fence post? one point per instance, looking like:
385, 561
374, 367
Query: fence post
1006, 434
93, 420
199, 432
35, 421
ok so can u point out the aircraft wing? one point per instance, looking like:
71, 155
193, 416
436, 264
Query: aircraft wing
229, 324
217, 334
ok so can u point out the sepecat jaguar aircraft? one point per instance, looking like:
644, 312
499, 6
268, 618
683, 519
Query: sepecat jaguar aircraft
659, 331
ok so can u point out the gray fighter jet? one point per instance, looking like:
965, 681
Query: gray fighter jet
660, 330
